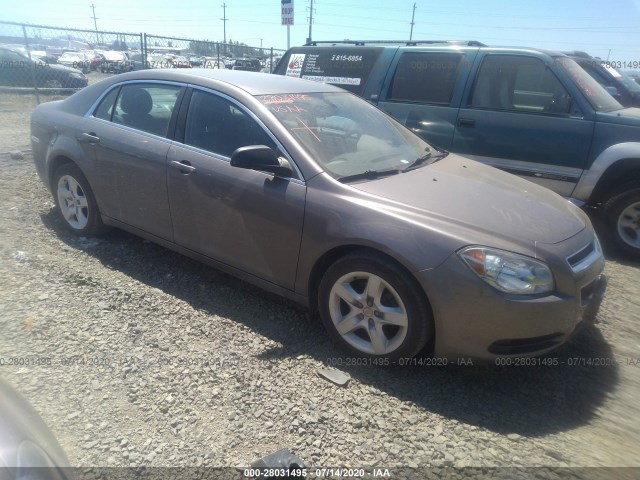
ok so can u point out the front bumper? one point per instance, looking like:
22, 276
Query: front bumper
474, 320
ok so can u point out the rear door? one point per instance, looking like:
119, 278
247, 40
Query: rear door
129, 132
423, 91
517, 115
244, 218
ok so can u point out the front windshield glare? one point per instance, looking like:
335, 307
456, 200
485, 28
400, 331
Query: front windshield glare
346, 135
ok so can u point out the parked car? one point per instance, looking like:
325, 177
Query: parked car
530, 112
28, 448
78, 60
212, 62
310, 192
20, 71
246, 64
137, 61
156, 60
94, 57
115, 62
618, 83
196, 60
178, 61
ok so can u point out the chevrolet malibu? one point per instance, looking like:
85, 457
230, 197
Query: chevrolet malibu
306, 190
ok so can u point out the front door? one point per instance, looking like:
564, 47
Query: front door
519, 117
244, 218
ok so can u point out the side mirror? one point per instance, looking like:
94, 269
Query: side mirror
613, 91
261, 157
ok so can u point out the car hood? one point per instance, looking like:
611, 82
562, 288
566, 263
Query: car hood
482, 198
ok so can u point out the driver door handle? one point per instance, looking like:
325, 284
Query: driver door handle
91, 138
467, 122
184, 166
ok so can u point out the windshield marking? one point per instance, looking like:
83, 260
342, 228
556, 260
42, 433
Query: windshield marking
287, 109
276, 99
307, 127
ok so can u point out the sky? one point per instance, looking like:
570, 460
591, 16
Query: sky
604, 28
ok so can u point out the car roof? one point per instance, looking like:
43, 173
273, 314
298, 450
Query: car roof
452, 45
254, 83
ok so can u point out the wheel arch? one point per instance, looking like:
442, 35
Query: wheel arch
55, 163
625, 171
331, 256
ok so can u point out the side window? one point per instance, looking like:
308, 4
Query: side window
146, 107
105, 108
217, 125
426, 77
510, 82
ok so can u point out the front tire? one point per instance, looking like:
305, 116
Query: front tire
372, 308
75, 202
622, 217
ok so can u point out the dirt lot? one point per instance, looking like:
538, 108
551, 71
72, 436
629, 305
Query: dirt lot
154, 359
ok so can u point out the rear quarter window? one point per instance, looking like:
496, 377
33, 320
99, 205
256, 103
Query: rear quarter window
105, 108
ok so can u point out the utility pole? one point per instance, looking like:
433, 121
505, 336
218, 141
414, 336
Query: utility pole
95, 24
310, 21
224, 21
413, 16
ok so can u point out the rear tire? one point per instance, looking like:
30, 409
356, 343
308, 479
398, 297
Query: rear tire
622, 218
76, 203
371, 308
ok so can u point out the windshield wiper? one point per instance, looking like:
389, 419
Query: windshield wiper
429, 156
369, 175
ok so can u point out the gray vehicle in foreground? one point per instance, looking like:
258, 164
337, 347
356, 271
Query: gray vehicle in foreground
308, 191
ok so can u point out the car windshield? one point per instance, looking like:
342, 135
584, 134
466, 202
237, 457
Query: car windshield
346, 135
113, 56
595, 93
625, 79
71, 56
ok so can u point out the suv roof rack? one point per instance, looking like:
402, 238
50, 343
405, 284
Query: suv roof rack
409, 43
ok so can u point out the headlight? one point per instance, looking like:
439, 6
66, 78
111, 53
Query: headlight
507, 271
78, 75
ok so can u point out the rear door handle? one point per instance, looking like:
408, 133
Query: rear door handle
91, 138
467, 122
184, 166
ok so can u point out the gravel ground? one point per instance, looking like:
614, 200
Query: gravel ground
140, 356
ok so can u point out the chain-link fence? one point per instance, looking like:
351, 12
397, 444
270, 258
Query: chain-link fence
170, 52
55, 61
50, 60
